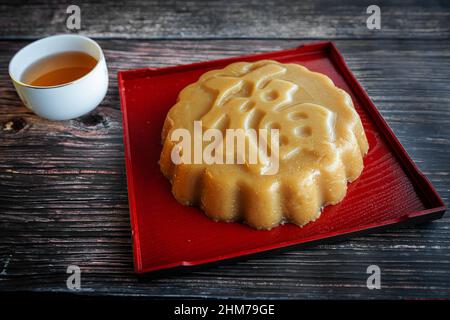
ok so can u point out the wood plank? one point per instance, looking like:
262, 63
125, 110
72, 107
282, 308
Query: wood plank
63, 197
286, 19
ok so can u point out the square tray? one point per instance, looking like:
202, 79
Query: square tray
167, 234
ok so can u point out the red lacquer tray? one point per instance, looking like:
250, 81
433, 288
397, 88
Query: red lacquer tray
167, 234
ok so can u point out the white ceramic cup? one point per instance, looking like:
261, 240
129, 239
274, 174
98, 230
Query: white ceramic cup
65, 101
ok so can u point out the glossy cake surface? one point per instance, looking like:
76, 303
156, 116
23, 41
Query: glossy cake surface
321, 143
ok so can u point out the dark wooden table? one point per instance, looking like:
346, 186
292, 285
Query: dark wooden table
63, 193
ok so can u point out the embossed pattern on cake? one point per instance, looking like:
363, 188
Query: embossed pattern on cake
322, 143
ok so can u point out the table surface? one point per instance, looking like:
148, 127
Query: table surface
63, 193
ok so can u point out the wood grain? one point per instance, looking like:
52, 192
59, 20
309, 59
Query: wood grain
63, 197
283, 19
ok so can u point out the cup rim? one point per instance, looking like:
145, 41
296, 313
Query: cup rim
97, 46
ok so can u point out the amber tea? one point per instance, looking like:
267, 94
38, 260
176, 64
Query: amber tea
58, 69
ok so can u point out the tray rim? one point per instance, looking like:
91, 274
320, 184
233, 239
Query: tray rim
420, 181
